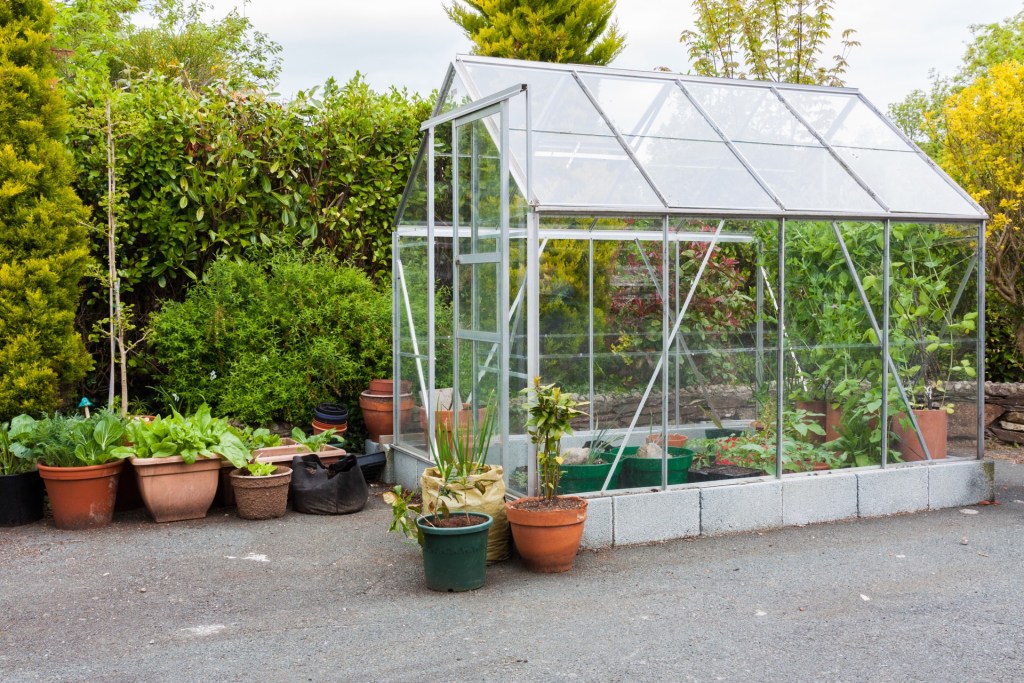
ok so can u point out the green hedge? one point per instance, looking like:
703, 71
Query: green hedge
262, 343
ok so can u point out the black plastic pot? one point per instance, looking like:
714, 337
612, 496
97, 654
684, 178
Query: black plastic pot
372, 465
331, 413
21, 498
720, 472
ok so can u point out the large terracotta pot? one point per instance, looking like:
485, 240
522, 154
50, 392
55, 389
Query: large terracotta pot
379, 415
934, 427
547, 539
173, 490
82, 497
387, 386
261, 497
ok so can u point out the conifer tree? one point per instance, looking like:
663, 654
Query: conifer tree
43, 247
565, 31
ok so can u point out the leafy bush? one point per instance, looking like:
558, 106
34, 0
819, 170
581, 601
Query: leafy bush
1003, 360
43, 246
262, 343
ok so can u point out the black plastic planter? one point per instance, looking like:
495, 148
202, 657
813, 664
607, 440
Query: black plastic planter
331, 413
720, 472
21, 499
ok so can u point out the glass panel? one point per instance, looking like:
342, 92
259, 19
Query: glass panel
721, 374
412, 292
906, 182
578, 170
748, 114
457, 94
933, 336
479, 182
414, 213
443, 175
649, 108
844, 120
411, 426
834, 365
808, 178
700, 174
557, 103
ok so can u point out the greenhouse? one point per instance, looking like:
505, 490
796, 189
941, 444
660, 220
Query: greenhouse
747, 281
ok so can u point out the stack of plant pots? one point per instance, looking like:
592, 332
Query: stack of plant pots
330, 416
378, 405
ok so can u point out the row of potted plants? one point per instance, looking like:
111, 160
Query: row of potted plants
455, 532
176, 461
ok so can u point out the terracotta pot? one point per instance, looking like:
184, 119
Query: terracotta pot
934, 427
379, 412
547, 540
321, 427
387, 386
819, 418
261, 497
279, 455
674, 440
82, 497
173, 490
833, 418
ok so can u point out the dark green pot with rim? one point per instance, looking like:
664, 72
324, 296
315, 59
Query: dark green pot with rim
646, 472
455, 558
585, 478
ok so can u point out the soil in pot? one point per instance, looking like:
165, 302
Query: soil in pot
934, 427
174, 490
455, 551
547, 534
261, 497
82, 497
21, 498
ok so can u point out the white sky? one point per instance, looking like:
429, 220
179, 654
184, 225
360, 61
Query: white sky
408, 43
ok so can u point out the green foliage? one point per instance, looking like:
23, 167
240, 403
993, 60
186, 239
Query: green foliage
460, 450
72, 441
43, 247
551, 413
984, 152
191, 437
113, 40
1004, 361
257, 438
566, 31
15, 457
312, 443
264, 343
777, 40
404, 513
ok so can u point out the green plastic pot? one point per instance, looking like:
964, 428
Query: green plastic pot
585, 478
455, 559
645, 472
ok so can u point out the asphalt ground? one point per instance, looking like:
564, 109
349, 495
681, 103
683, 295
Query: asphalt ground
935, 596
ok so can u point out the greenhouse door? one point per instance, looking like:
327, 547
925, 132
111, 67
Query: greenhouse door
480, 281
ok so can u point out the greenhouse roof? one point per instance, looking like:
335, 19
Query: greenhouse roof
610, 140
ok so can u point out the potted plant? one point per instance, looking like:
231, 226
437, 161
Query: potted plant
80, 462
547, 529
21, 489
454, 544
261, 489
461, 479
177, 461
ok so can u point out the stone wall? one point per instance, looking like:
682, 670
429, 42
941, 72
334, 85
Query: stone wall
1004, 411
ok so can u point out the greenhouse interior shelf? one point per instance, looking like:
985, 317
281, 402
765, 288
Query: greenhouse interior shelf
772, 300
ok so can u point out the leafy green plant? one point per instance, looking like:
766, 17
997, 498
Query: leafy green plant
312, 443
15, 457
195, 436
73, 441
462, 451
550, 414
257, 438
405, 511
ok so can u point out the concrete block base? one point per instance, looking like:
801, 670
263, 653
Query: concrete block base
740, 507
818, 497
766, 503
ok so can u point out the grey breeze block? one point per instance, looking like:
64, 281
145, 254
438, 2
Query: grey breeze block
814, 498
660, 516
892, 490
740, 507
954, 484
597, 531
